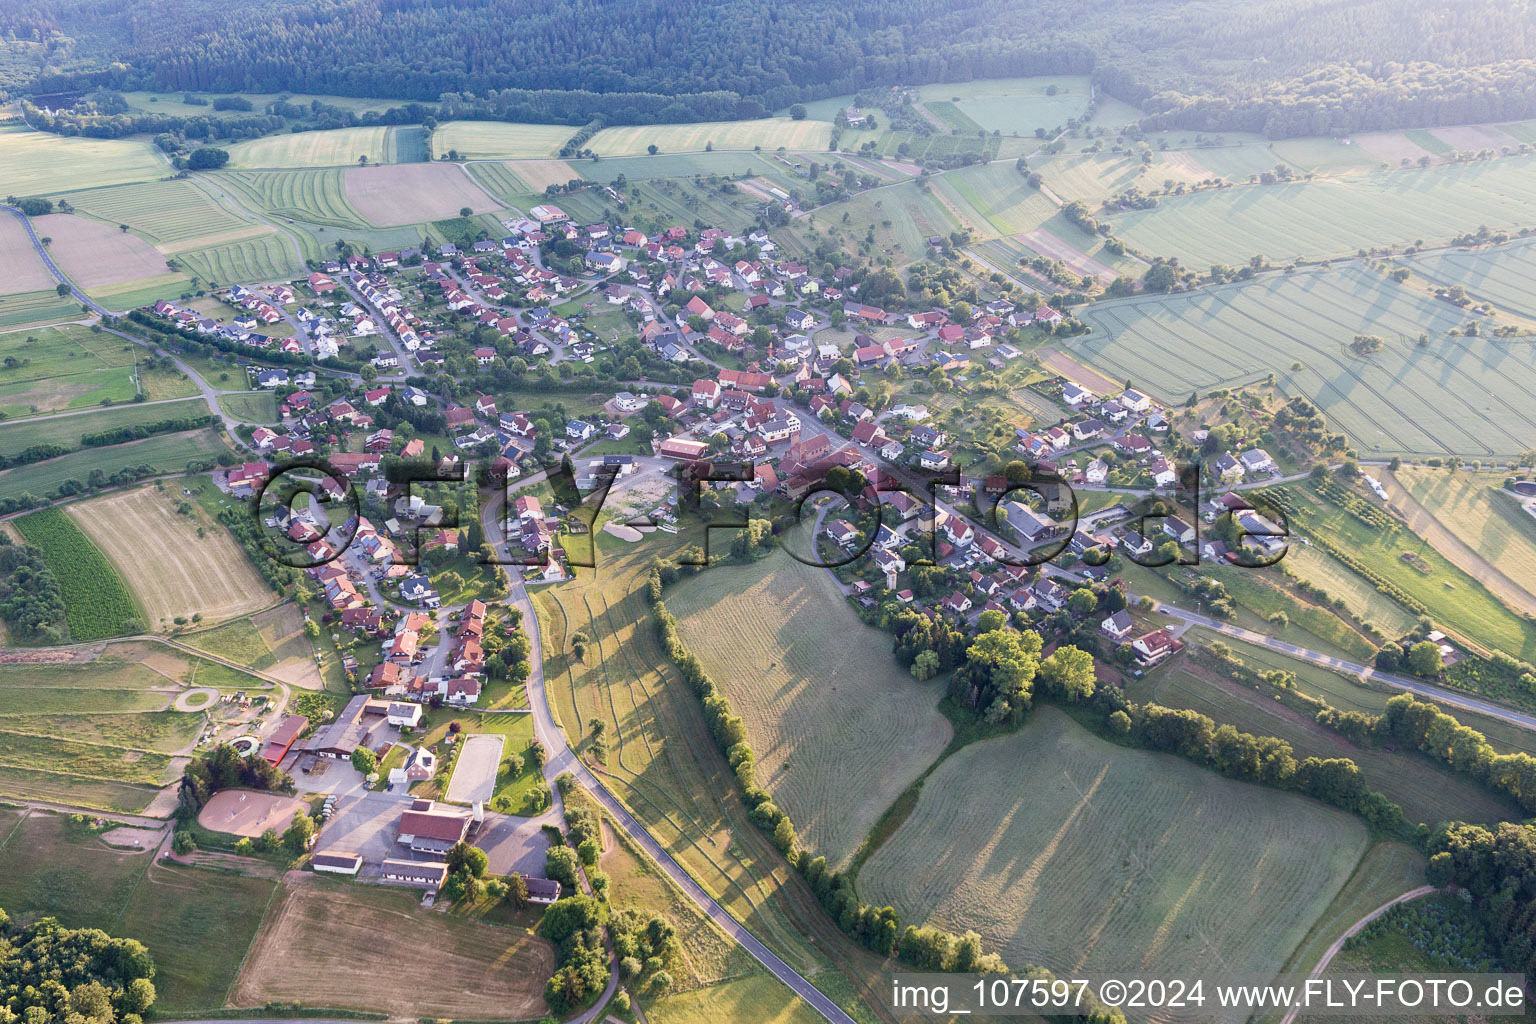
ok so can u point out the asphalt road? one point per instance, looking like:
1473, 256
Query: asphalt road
560, 758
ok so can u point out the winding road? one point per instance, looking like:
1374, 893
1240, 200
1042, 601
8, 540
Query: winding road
560, 758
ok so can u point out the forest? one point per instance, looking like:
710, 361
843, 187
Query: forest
1282, 67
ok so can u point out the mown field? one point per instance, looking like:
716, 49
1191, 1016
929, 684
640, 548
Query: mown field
1426, 791
37, 307
1064, 850
251, 407
666, 767
337, 147
175, 214
53, 350
1451, 395
1387, 870
176, 563
500, 140
1010, 105
1491, 523
838, 729
765, 133
1335, 217
43, 164
256, 260
48, 369
315, 196
95, 600
164, 453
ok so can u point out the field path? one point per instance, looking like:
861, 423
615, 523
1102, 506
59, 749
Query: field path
1423, 522
1352, 931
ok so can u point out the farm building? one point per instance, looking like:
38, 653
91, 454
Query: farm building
353, 728
427, 828
283, 736
337, 863
430, 874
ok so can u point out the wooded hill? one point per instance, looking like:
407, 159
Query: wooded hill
1284, 67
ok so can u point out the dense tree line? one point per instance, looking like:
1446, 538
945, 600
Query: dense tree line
1410, 722
30, 601
50, 974
118, 435
1291, 67
1494, 865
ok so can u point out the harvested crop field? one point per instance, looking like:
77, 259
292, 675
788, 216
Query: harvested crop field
319, 946
1065, 850
24, 271
838, 729
411, 193
769, 132
480, 140
243, 812
333, 148
177, 564
1048, 245
537, 175
95, 255
1391, 148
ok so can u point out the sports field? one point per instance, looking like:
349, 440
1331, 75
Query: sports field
1067, 851
69, 367
249, 813
1334, 217
97, 255
43, 164
500, 140
902, 216
176, 564
1457, 395
411, 193
314, 196
838, 729
1457, 601
164, 453
994, 199
316, 946
475, 771
767, 133
337, 147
